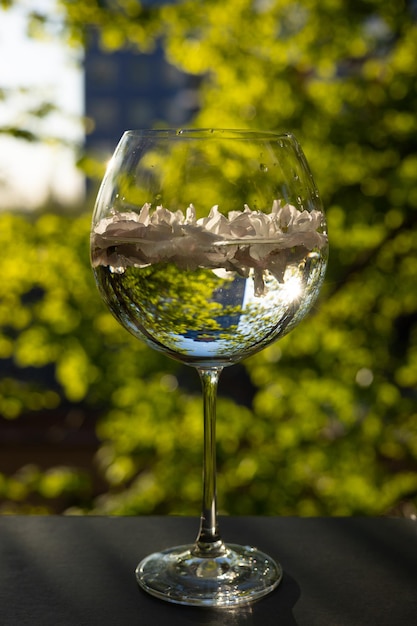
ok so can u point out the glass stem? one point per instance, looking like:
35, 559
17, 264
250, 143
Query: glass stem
208, 541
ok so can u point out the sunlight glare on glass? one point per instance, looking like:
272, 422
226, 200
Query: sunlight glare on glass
292, 289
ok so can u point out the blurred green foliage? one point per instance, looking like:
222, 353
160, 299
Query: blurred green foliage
333, 424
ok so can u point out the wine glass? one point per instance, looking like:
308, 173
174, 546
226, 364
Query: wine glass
208, 245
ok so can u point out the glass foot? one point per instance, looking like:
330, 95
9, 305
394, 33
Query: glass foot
238, 576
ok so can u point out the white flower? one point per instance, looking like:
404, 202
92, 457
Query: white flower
242, 241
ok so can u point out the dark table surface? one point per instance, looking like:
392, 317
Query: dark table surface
76, 571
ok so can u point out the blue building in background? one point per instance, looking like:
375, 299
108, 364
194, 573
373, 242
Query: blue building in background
127, 89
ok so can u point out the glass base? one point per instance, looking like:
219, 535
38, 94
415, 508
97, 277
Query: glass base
238, 576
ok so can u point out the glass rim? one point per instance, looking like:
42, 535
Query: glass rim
220, 133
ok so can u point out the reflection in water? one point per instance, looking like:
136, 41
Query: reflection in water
212, 316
